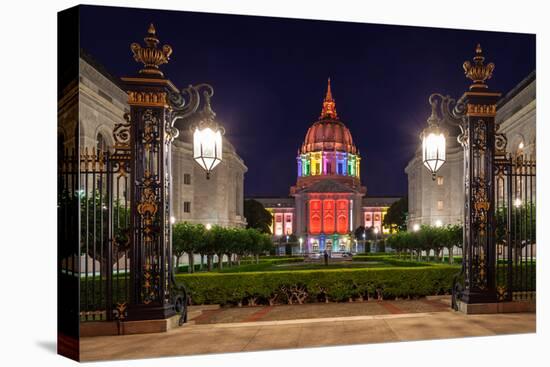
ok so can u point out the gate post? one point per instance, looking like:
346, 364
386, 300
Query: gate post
478, 140
151, 135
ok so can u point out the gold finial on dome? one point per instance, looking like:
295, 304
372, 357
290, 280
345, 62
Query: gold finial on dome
478, 72
329, 105
151, 56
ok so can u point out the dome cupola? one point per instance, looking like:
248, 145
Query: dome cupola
328, 133
328, 148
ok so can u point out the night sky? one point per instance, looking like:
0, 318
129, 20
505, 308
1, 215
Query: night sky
270, 77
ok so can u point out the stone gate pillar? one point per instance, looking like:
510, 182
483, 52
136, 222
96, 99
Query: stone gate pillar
151, 135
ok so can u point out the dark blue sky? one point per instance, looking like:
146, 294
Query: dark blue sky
270, 77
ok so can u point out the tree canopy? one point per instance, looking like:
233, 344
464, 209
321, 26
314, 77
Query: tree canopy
396, 217
257, 216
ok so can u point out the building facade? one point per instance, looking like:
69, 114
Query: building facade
441, 201
328, 201
88, 110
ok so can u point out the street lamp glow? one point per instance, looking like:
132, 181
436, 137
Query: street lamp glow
207, 148
207, 139
433, 144
376, 230
416, 227
517, 202
521, 145
172, 219
433, 150
208, 226
438, 223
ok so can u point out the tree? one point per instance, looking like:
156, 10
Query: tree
208, 248
95, 226
358, 233
187, 238
429, 240
396, 217
523, 230
254, 244
453, 238
218, 241
257, 216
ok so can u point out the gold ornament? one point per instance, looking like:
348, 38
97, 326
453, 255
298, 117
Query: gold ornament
478, 72
151, 56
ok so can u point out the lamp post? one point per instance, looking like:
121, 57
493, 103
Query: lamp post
286, 243
474, 113
155, 105
207, 133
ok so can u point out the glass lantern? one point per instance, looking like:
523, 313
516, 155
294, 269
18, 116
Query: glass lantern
433, 145
433, 149
207, 140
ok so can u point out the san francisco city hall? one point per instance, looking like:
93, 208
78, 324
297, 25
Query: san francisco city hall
328, 201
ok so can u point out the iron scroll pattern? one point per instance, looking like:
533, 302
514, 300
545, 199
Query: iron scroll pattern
480, 205
148, 203
186, 103
480, 144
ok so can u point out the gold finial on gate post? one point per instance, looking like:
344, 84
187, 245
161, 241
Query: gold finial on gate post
478, 72
151, 56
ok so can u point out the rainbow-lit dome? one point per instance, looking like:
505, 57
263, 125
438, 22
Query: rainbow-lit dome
328, 148
328, 133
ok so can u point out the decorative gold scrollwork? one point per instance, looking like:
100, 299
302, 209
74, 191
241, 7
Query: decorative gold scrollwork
500, 144
120, 310
501, 293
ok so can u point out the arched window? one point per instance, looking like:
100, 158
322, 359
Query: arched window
101, 144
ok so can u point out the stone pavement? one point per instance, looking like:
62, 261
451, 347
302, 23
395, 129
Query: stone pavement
263, 328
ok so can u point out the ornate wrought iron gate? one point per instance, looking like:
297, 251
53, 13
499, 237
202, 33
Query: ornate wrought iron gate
98, 182
515, 232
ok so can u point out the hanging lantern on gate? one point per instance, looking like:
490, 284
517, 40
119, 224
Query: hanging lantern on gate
207, 139
433, 144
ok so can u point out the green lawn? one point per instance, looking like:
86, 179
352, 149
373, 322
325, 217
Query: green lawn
271, 264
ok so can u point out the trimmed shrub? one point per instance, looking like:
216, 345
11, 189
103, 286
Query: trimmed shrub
301, 286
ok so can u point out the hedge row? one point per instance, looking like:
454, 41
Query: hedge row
301, 286
389, 259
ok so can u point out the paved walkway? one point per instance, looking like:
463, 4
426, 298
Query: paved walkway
319, 310
262, 328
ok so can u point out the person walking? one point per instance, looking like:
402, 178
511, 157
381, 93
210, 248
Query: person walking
325, 255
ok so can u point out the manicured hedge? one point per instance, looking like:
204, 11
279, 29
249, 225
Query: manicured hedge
389, 259
300, 286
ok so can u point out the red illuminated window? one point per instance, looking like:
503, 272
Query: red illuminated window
342, 216
315, 216
328, 216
